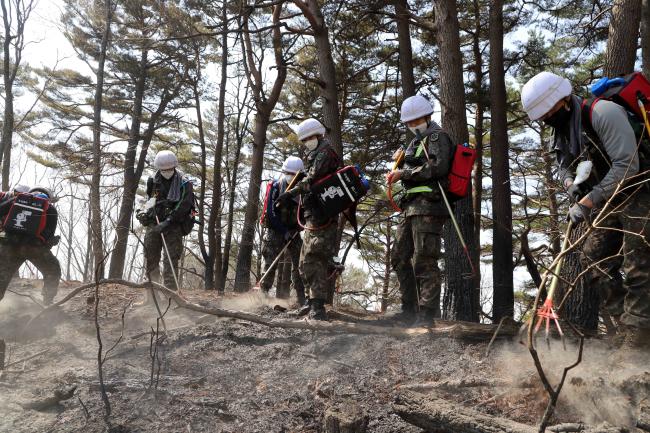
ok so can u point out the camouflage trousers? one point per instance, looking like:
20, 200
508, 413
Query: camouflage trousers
153, 248
622, 242
414, 258
318, 248
271, 247
14, 255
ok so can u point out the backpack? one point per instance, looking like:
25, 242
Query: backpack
340, 190
188, 223
27, 216
270, 215
460, 174
632, 92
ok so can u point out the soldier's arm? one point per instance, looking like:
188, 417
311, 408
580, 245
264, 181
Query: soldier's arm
318, 170
51, 222
615, 132
437, 167
184, 207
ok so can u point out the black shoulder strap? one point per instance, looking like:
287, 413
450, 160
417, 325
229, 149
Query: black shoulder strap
149, 186
586, 110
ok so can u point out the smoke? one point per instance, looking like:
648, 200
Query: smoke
606, 386
252, 301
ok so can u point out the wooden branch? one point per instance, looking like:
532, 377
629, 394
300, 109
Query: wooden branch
442, 329
443, 416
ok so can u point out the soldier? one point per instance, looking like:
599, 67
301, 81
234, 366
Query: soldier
23, 213
414, 258
605, 137
319, 243
167, 219
282, 227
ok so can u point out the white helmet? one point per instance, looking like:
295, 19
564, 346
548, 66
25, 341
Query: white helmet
542, 92
310, 127
165, 160
42, 190
21, 189
415, 107
292, 165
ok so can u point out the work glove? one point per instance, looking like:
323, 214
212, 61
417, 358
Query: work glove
579, 213
283, 199
53, 241
158, 228
576, 192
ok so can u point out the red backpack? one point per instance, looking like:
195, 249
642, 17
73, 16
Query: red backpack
460, 174
27, 216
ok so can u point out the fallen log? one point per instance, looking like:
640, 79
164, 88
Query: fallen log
49, 402
464, 383
464, 330
443, 416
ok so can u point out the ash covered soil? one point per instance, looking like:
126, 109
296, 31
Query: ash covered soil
221, 375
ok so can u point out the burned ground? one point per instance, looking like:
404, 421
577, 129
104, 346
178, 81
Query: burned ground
222, 375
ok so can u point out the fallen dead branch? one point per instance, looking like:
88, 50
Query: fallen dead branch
443, 416
464, 383
36, 355
46, 403
465, 330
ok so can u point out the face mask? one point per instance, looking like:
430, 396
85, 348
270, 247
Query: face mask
559, 119
419, 128
167, 174
311, 144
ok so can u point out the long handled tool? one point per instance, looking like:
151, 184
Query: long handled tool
399, 158
546, 313
171, 265
275, 261
457, 227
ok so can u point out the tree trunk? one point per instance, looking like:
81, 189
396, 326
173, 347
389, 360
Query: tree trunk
95, 193
244, 255
477, 175
462, 288
264, 105
311, 10
385, 290
8, 78
231, 204
214, 224
130, 183
208, 279
645, 37
503, 293
405, 50
623, 37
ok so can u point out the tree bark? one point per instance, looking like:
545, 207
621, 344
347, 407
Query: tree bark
130, 183
503, 292
264, 105
461, 295
645, 37
328, 86
95, 193
8, 78
623, 37
214, 224
405, 49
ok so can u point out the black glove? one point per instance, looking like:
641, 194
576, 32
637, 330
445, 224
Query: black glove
53, 241
158, 228
283, 199
576, 192
579, 213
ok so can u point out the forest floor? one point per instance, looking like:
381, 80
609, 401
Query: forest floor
224, 375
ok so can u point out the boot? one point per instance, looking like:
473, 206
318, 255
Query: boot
304, 308
424, 318
406, 316
317, 311
637, 338
300, 295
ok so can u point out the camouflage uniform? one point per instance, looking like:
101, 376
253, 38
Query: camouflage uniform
319, 243
416, 251
279, 232
15, 249
608, 140
176, 214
